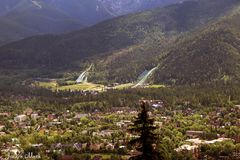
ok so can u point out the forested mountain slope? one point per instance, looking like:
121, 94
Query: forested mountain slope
121, 48
211, 54
127, 64
111, 35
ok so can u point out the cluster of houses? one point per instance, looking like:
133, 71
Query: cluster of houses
216, 121
156, 104
193, 145
106, 143
44, 122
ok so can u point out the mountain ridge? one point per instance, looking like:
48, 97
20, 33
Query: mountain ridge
142, 38
51, 16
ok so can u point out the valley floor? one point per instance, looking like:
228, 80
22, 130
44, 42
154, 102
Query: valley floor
191, 122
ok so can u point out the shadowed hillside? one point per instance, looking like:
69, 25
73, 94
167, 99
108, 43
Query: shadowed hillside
211, 54
121, 48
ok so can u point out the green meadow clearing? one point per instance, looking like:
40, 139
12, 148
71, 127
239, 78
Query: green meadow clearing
70, 85
74, 87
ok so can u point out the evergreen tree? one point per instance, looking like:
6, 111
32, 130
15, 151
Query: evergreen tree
144, 128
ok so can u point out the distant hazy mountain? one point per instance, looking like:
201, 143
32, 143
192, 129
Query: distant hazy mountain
120, 7
86, 11
23, 18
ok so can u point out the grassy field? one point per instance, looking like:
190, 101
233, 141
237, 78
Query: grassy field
86, 86
124, 86
74, 87
129, 85
156, 86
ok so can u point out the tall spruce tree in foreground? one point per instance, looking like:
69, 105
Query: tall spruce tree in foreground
144, 128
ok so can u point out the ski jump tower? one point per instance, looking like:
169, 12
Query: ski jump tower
84, 76
144, 77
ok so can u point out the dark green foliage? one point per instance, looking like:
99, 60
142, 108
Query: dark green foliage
219, 150
203, 100
144, 128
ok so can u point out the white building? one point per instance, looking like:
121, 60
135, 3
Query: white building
20, 118
198, 141
34, 116
187, 147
